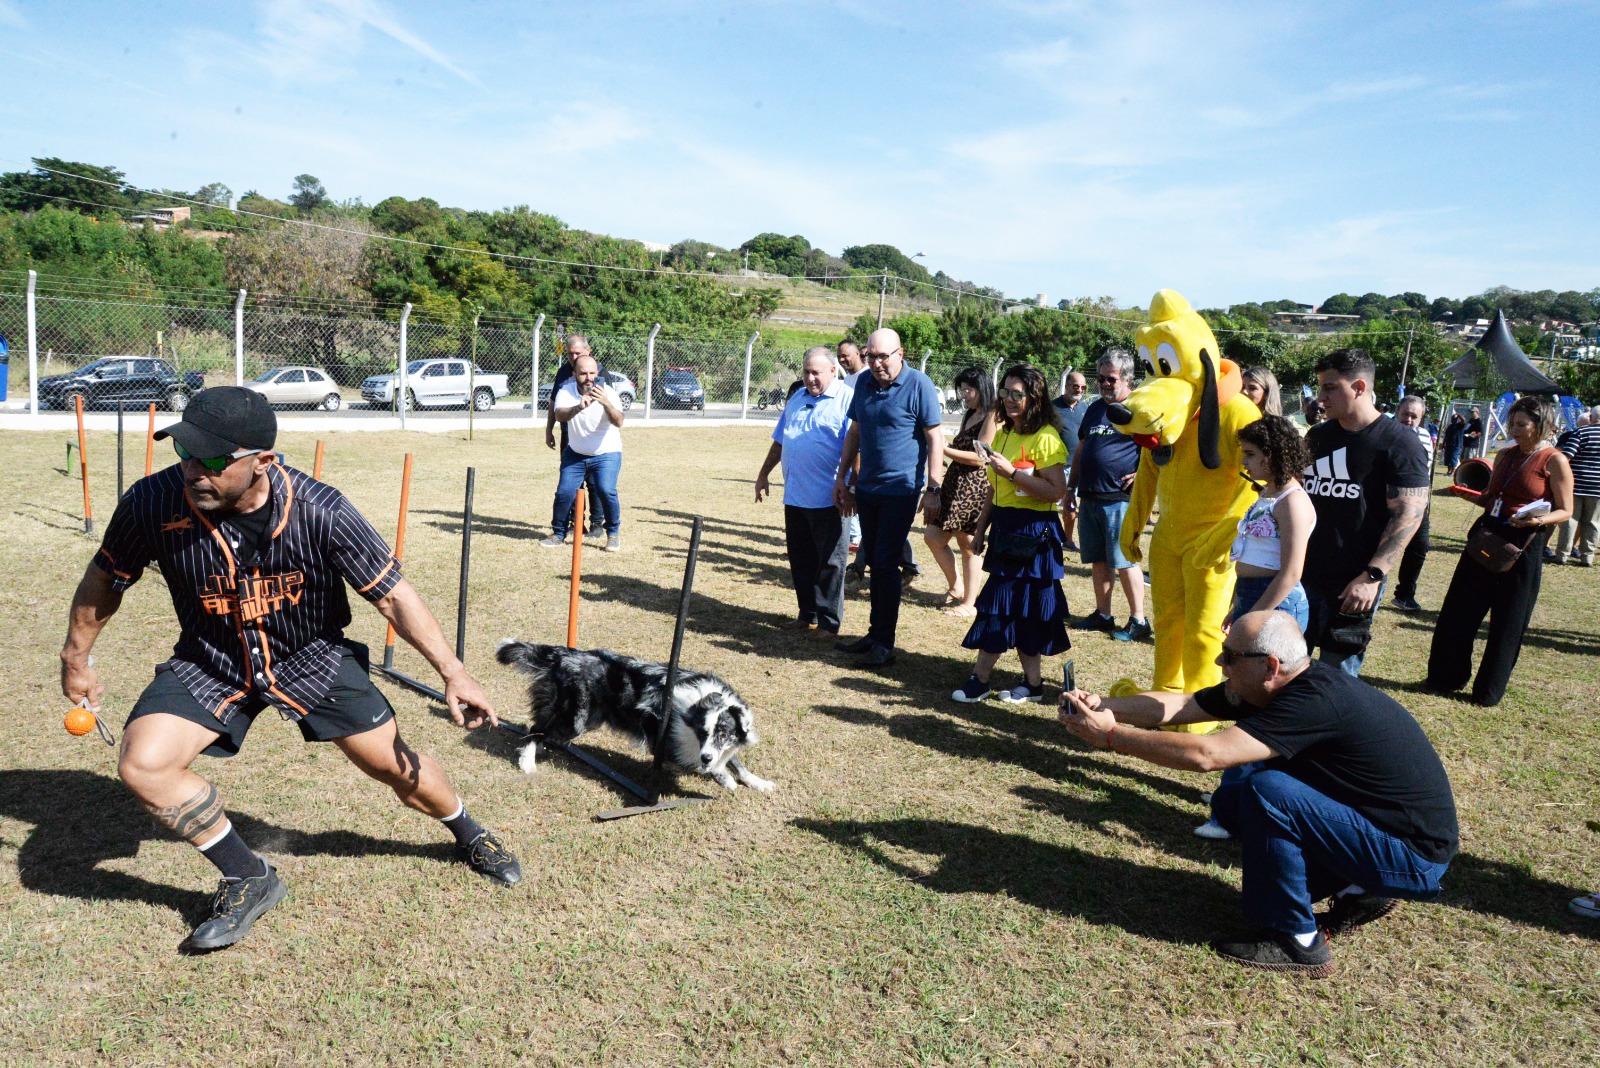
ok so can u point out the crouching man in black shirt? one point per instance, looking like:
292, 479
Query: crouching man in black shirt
1346, 797
256, 557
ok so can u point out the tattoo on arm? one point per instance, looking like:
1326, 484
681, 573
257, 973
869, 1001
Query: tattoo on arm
1406, 505
194, 819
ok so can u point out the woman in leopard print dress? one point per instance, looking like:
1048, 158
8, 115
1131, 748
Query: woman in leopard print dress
963, 493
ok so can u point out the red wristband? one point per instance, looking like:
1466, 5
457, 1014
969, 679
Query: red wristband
1109, 734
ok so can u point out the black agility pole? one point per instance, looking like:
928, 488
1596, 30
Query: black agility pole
655, 804
466, 568
119, 450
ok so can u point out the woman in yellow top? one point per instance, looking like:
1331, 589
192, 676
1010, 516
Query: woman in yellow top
1022, 606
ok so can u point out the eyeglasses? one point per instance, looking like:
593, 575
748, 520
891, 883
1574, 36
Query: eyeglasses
880, 357
1014, 394
1230, 655
215, 463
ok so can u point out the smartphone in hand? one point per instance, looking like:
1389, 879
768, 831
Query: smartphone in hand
1069, 681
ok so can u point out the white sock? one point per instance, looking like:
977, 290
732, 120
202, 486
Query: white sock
461, 806
1305, 940
227, 825
1351, 889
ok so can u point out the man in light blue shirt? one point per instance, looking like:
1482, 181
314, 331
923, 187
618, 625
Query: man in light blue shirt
809, 440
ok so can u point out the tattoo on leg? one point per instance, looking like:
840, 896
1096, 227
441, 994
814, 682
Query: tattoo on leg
195, 818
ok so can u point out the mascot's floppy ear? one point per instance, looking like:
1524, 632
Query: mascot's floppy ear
1210, 419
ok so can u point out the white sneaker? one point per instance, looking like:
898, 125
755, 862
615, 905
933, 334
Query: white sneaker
1213, 830
614, 543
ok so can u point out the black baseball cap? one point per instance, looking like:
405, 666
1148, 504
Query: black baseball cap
223, 420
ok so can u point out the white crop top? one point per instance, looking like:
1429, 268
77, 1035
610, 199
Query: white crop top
1258, 543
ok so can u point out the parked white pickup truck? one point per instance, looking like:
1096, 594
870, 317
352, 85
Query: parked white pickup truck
436, 384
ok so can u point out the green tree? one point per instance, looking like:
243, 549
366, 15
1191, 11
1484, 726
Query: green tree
309, 195
80, 187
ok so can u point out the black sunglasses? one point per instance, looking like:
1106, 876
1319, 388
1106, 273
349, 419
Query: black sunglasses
214, 463
1230, 655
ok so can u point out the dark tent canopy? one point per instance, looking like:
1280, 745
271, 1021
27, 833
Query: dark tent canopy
1508, 360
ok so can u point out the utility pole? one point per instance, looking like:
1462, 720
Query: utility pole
883, 288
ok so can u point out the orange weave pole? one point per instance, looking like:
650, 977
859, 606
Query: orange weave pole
83, 466
150, 444
316, 470
580, 524
399, 546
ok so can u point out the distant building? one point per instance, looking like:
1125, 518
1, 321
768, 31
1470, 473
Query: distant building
1306, 323
162, 218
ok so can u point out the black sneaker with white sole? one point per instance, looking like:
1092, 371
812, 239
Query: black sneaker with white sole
238, 904
1274, 951
1355, 910
486, 856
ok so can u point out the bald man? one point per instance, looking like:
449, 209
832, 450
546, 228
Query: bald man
1344, 797
592, 413
897, 433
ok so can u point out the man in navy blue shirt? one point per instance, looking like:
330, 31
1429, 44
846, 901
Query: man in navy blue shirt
897, 433
1098, 486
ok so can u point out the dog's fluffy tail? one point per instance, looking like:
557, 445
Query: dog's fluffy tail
528, 657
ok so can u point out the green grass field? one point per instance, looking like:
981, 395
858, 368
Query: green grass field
930, 884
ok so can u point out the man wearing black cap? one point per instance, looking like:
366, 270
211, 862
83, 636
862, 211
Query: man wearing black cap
256, 556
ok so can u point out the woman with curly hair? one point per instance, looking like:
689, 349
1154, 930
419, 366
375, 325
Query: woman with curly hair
1531, 470
963, 493
1270, 551
1022, 606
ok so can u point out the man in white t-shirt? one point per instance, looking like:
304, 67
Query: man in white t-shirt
591, 411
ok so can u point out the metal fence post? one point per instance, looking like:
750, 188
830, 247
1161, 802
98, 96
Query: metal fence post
33, 343
996, 374
238, 340
533, 405
749, 353
650, 368
923, 367
400, 402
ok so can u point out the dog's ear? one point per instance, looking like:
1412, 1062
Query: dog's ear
747, 723
1210, 415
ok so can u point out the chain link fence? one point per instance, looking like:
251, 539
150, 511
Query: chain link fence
108, 350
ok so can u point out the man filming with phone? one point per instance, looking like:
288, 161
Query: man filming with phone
592, 414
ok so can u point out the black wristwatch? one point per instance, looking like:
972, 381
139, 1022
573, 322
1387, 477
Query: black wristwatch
1376, 574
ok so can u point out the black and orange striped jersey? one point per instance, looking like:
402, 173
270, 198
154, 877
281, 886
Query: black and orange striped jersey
258, 617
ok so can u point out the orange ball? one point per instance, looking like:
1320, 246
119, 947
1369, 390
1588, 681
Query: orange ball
80, 721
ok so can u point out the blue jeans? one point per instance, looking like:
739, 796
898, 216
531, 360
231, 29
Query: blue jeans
1301, 846
1340, 638
1247, 590
885, 524
575, 467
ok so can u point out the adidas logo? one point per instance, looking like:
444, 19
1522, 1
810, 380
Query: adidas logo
1330, 477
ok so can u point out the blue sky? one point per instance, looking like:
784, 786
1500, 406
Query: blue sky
1231, 150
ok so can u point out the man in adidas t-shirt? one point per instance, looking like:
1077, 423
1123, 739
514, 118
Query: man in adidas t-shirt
1369, 483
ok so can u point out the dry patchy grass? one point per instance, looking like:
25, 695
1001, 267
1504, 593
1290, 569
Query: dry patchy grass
931, 884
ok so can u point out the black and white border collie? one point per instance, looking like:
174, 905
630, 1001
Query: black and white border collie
574, 691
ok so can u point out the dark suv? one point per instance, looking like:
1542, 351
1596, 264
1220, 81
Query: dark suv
678, 388
139, 379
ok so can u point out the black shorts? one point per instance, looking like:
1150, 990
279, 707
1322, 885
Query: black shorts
352, 706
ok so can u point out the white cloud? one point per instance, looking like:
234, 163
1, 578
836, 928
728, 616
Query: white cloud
10, 16
320, 39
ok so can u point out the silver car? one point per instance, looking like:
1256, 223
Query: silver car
310, 387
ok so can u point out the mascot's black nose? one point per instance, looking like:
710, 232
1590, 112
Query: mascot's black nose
1119, 414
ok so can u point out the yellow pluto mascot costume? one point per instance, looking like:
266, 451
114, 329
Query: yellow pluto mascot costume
1187, 417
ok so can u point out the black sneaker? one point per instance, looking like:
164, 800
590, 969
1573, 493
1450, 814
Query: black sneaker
486, 856
862, 644
238, 905
1137, 630
1404, 604
1275, 952
1354, 910
1095, 621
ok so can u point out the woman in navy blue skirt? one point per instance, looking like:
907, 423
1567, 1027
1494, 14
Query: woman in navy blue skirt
1022, 606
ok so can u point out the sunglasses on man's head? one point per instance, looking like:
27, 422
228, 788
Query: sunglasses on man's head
1230, 655
214, 463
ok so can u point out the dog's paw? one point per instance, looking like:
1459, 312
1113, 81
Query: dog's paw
756, 782
724, 780
527, 757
